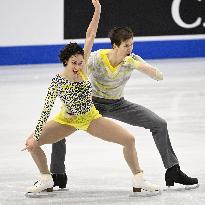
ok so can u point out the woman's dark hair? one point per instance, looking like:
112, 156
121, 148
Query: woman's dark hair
119, 34
69, 50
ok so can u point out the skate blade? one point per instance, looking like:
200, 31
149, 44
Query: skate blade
60, 189
181, 188
144, 193
195, 186
40, 194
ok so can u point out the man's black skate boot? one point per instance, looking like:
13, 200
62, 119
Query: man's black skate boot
60, 180
175, 175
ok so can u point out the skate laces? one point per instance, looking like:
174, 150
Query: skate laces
182, 177
37, 183
140, 181
182, 174
149, 184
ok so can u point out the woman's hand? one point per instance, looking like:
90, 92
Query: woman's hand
31, 144
96, 4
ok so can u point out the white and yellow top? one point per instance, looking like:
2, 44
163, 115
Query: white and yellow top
108, 82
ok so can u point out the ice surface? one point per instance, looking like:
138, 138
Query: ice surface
97, 172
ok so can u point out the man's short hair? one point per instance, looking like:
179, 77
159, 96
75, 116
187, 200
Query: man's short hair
119, 34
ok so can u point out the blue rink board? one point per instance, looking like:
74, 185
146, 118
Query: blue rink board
45, 54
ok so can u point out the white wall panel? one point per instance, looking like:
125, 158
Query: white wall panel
31, 22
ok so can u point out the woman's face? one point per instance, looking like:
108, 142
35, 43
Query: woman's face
75, 63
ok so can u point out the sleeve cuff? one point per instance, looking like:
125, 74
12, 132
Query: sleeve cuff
36, 138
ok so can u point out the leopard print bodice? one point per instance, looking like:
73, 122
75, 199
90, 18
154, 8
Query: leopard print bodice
76, 96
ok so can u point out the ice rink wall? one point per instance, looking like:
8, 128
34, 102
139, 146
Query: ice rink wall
33, 32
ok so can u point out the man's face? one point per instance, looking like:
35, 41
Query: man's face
125, 48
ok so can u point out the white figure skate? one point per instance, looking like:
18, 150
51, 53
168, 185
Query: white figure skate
142, 187
44, 184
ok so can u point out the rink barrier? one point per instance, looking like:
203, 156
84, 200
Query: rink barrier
46, 54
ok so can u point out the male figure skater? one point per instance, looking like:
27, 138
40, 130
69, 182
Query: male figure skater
110, 69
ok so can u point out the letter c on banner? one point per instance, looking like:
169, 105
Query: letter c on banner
177, 18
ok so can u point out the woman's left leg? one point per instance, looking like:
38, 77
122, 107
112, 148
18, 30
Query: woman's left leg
108, 130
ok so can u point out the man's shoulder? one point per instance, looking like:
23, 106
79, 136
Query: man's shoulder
133, 55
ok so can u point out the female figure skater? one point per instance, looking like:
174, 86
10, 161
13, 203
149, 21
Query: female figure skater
78, 112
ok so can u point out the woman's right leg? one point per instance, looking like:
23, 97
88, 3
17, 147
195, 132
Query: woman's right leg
51, 133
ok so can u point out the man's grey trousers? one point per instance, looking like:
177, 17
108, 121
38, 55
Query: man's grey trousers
129, 113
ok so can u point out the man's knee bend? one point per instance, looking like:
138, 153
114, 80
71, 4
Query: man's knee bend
160, 124
163, 124
63, 141
59, 143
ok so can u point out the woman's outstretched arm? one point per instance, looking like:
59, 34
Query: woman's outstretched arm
92, 29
